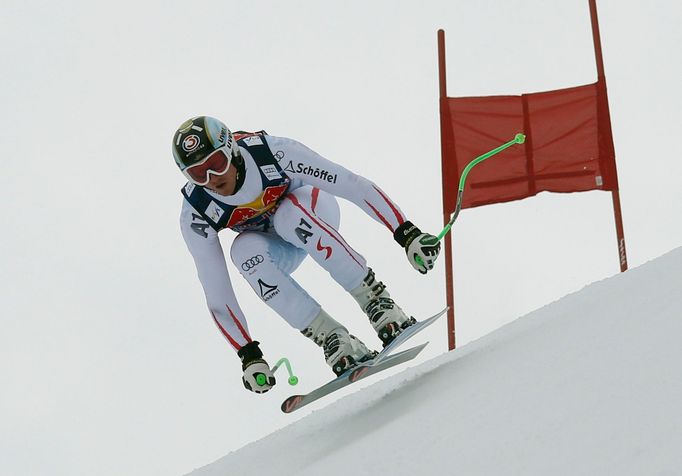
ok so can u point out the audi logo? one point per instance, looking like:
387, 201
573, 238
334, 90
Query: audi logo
252, 262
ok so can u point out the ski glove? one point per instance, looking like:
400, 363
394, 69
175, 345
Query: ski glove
257, 376
418, 246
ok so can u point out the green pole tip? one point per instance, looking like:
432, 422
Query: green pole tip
261, 379
293, 380
520, 138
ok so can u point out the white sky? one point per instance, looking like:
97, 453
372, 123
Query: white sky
109, 361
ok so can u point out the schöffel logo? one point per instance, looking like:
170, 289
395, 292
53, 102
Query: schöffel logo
316, 172
190, 143
252, 262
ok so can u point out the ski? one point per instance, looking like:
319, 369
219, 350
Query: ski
408, 334
371, 367
365, 369
383, 360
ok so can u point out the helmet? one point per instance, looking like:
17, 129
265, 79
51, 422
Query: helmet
195, 140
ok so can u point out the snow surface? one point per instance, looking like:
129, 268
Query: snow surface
587, 385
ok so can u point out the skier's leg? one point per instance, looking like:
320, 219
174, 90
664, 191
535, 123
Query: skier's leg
387, 318
309, 219
266, 262
341, 350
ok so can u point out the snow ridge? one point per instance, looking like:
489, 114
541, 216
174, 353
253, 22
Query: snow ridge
589, 384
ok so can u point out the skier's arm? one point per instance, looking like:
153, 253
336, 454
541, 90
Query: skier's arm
204, 245
302, 163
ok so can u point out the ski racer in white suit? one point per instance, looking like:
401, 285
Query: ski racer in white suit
280, 197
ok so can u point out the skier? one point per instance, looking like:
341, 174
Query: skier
279, 196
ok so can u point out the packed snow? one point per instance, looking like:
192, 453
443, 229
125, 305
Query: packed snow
589, 385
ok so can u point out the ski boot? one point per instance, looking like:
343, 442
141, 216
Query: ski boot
342, 351
384, 314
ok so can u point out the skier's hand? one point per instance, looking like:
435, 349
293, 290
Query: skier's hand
422, 249
257, 376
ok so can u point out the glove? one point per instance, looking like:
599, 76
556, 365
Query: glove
257, 374
422, 248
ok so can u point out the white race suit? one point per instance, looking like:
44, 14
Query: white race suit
283, 211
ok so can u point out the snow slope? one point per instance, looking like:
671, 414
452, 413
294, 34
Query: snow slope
589, 385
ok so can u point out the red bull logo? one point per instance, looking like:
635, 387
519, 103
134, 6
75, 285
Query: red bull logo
267, 200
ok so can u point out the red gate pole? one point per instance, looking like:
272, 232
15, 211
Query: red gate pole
605, 124
449, 281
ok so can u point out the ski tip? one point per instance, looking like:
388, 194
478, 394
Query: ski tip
291, 403
358, 373
421, 346
418, 348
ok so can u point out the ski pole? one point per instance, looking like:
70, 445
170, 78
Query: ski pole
293, 380
518, 139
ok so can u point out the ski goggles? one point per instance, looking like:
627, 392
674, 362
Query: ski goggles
217, 163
